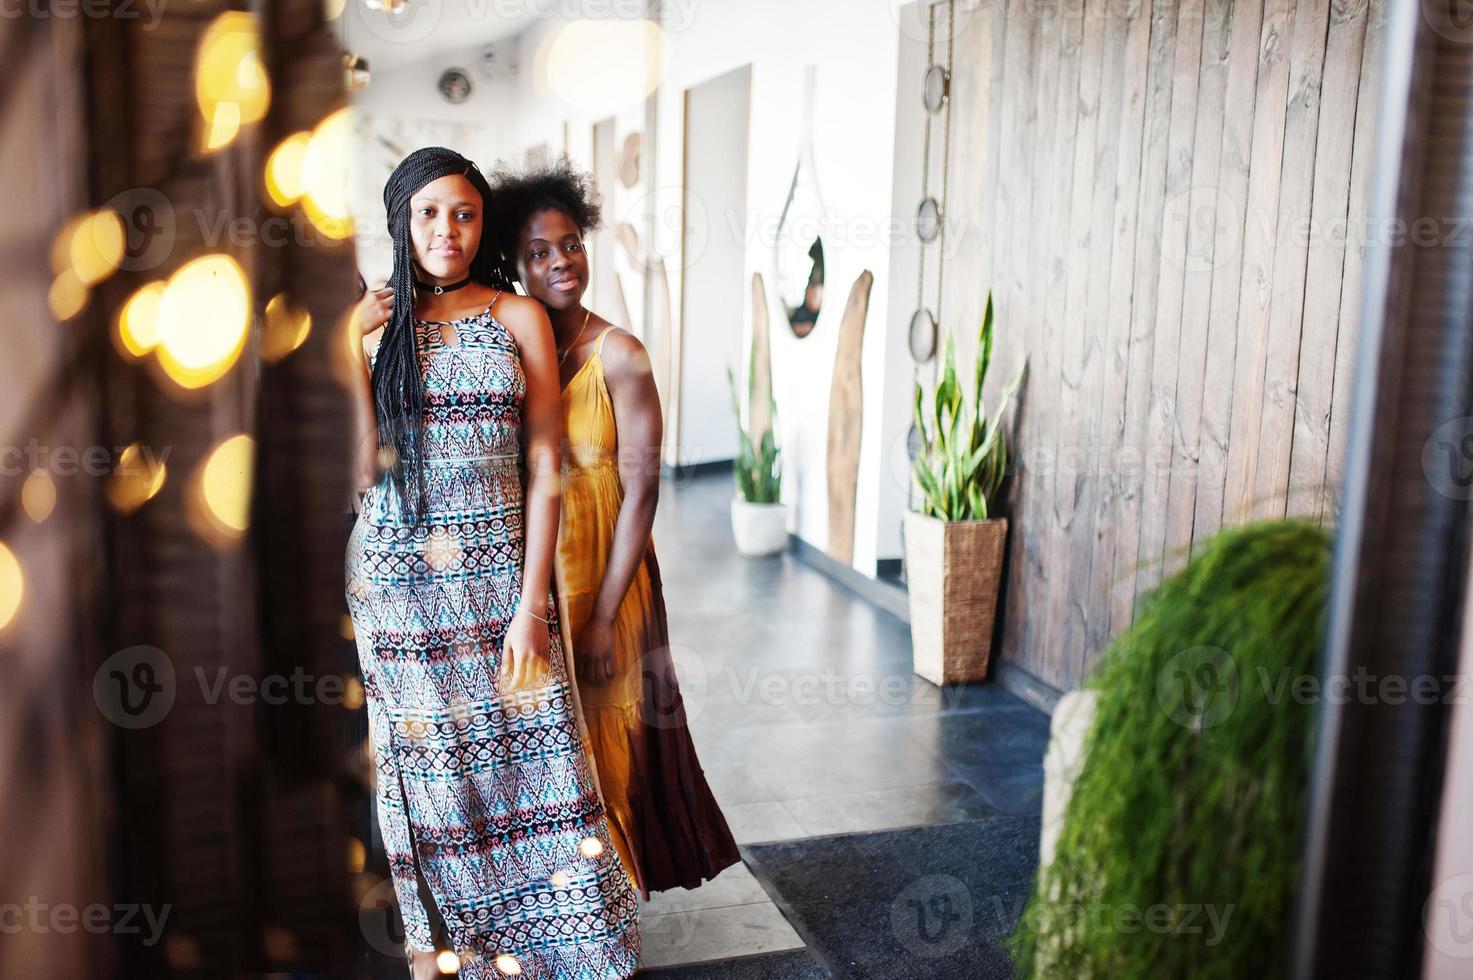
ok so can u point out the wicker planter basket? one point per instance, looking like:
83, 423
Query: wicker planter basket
952, 572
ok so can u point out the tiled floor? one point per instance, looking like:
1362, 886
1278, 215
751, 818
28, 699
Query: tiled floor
809, 721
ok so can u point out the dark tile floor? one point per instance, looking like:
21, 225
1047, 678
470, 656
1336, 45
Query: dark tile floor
809, 721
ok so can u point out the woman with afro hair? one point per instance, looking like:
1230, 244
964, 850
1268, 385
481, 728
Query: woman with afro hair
663, 818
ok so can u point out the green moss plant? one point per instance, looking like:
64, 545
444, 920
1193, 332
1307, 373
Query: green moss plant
1179, 851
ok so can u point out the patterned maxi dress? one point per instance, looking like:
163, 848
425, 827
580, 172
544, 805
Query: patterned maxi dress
488, 797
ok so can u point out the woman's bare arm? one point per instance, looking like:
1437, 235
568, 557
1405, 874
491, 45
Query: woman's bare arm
542, 419
365, 332
640, 428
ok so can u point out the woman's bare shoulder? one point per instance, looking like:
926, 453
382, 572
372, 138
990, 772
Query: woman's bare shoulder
520, 312
624, 354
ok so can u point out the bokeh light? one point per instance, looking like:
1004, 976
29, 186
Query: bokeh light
222, 127
38, 495
287, 327
357, 855
222, 491
284, 180
591, 847
67, 295
136, 327
325, 177
12, 585
230, 83
601, 65
202, 320
447, 962
136, 480
508, 965
96, 246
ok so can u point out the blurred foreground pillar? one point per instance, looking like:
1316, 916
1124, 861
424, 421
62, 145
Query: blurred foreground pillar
177, 791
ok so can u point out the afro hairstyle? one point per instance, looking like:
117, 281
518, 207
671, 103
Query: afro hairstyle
517, 195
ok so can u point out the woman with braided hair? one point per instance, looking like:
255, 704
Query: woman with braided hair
488, 808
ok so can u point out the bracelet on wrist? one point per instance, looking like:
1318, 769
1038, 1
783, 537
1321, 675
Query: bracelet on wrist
521, 608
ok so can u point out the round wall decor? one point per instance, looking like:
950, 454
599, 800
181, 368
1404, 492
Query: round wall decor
922, 336
935, 88
928, 220
455, 85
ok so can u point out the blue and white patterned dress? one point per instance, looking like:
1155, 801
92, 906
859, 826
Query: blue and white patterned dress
489, 796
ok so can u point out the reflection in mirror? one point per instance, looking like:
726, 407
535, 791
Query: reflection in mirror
798, 251
800, 285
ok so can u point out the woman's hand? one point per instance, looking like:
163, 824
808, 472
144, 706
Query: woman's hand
593, 651
372, 310
524, 654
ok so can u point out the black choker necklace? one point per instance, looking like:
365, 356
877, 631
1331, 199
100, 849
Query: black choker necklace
438, 290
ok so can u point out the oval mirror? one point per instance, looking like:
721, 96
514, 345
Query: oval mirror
928, 220
935, 87
922, 336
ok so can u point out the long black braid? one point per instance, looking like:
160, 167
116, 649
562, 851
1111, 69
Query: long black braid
398, 387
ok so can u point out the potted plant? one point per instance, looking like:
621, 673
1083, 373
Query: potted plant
953, 543
759, 519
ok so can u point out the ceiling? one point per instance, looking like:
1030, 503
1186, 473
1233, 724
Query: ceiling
421, 29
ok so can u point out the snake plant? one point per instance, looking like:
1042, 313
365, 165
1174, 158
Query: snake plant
963, 453
758, 466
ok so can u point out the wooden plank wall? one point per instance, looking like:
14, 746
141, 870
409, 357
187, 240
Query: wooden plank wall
1171, 219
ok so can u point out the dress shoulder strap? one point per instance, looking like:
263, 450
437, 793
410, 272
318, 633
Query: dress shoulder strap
598, 350
493, 301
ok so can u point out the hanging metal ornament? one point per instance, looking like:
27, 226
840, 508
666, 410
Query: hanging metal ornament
930, 223
922, 336
935, 88
928, 220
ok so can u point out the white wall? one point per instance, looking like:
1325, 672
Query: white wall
854, 46
402, 107
712, 301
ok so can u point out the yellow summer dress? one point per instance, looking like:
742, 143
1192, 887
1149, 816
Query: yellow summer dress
663, 820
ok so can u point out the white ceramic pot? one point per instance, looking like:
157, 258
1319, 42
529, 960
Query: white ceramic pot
760, 529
